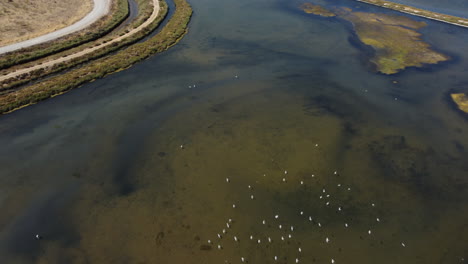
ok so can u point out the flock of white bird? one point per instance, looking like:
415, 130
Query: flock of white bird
287, 229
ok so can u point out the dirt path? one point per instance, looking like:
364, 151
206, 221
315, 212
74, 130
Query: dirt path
19, 72
101, 8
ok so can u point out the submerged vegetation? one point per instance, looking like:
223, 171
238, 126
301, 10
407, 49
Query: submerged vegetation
172, 32
394, 39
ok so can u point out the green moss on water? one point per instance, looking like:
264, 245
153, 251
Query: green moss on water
395, 39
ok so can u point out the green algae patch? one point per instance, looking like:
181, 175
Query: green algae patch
395, 40
461, 100
317, 10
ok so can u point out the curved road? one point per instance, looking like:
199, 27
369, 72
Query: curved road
44, 65
101, 8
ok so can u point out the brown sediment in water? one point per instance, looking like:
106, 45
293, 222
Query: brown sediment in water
395, 40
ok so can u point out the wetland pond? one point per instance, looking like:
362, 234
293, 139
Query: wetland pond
264, 136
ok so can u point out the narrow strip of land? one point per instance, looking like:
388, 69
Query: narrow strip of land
457, 21
101, 8
84, 52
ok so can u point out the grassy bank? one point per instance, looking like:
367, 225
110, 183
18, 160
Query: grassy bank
174, 30
117, 15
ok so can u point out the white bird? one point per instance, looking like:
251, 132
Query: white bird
328, 196
242, 259
209, 241
194, 86
332, 261
323, 190
319, 225
378, 219
269, 239
37, 236
285, 172
301, 212
310, 218
369, 232
373, 205
327, 240
282, 238
327, 203
300, 250
219, 236
403, 244
251, 197
312, 175
233, 205
276, 258
339, 185
190, 86
258, 241
276, 216
302, 182
227, 225
321, 197
250, 187
346, 225
297, 260
289, 235
280, 226
229, 220
292, 228
339, 208
224, 231
335, 172
235, 238
349, 189
181, 146
263, 222
284, 179
251, 237
236, 76
227, 179
316, 145
219, 246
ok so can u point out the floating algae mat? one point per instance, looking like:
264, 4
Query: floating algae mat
395, 39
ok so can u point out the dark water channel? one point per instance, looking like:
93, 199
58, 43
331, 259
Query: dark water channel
265, 126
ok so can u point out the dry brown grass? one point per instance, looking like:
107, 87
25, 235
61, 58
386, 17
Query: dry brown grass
24, 19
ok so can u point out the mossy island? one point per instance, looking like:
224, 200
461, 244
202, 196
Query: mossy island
395, 39
310, 8
461, 100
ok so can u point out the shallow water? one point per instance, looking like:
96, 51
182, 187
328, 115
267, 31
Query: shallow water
101, 175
